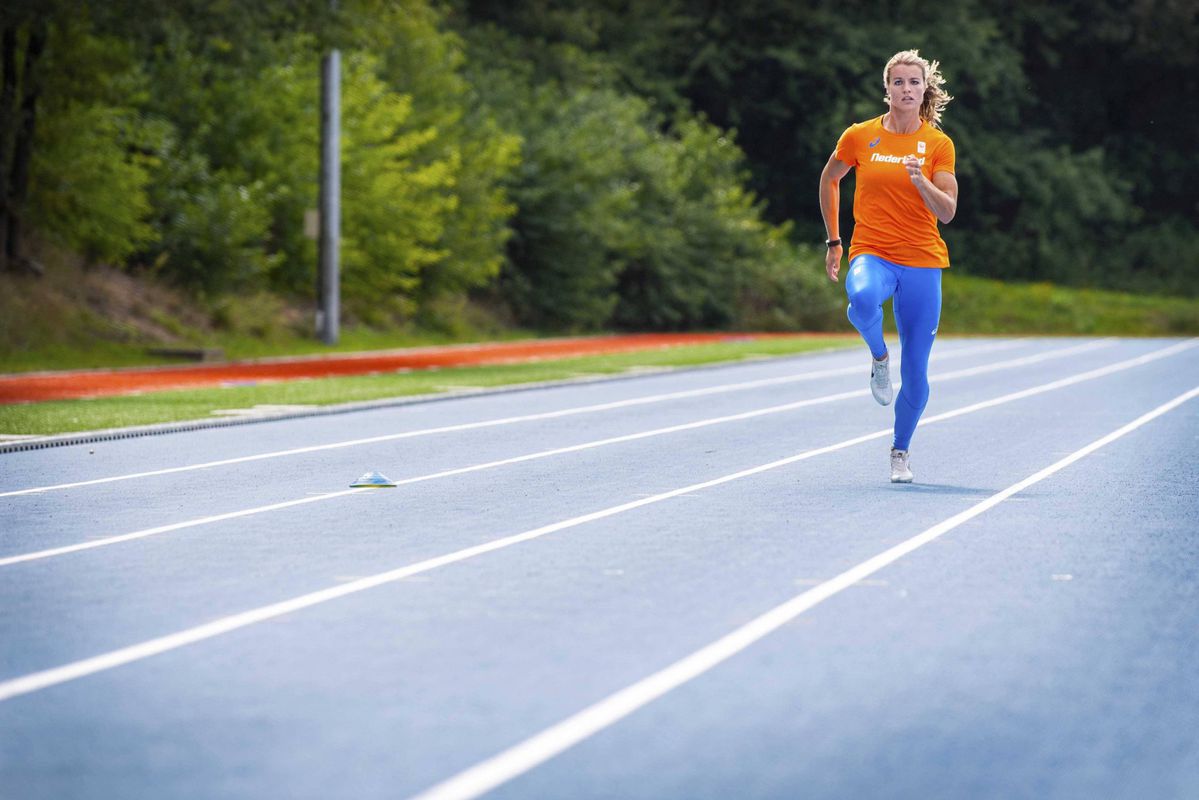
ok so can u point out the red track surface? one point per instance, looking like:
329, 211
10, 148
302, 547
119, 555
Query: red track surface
33, 387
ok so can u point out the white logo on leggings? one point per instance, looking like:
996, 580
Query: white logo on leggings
934, 333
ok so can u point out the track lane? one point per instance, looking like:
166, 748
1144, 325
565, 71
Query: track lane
62, 467
271, 577
46, 525
1032, 652
310, 716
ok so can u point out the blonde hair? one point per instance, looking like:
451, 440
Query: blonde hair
935, 97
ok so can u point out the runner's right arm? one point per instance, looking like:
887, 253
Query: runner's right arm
830, 209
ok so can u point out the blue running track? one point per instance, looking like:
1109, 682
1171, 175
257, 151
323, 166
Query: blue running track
681, 585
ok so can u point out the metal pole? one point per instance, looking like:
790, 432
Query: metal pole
328, 311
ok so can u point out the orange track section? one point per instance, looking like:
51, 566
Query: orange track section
34, 387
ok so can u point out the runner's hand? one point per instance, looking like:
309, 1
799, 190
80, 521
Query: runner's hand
913, 166
832, 262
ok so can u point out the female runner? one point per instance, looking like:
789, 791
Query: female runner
905, 184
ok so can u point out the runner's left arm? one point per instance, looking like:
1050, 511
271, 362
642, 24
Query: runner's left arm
940, 194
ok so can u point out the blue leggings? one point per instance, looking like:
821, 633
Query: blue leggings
917, 306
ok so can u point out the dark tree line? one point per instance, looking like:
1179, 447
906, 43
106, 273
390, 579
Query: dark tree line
631, 163
1074, 120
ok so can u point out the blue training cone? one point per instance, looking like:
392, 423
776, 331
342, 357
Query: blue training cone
373, 480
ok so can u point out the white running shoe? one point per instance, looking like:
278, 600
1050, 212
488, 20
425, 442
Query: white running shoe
880, 380
901, 470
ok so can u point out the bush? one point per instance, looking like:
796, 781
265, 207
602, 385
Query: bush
625, 218
89, 171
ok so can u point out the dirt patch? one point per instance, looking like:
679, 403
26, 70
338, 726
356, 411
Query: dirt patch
76, 303
145, 312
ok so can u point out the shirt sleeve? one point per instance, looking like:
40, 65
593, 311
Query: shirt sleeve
945, 158
847, 148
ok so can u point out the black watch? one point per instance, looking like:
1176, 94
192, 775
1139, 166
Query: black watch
833, 242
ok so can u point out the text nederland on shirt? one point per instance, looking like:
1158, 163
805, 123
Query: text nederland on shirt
890, 217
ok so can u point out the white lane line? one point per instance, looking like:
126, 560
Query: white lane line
536, 750
193, 523
89, 666
174, 526
466, 426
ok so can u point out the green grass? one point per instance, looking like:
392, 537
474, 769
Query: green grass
983, 306
65, 416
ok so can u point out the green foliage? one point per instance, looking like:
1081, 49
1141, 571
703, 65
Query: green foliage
573, 197
626, 218
89, 191
92, 197
792, 294
1057, 138
700, 237
394, 208
1050, 215
631, 163
205, 165
211, 228
427, 63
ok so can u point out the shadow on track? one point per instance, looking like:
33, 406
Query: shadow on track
941, 488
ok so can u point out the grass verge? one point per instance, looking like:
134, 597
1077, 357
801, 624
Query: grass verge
75, 317
66, 416
101, 317
985, 306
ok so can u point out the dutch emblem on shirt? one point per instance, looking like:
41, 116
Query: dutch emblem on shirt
919, 147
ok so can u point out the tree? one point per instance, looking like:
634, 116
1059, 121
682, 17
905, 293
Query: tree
1062, 111
626, 216
24, 29
34, 33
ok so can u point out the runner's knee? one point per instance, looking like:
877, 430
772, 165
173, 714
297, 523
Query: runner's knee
865, 295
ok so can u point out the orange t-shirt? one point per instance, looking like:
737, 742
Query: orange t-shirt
890, 218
